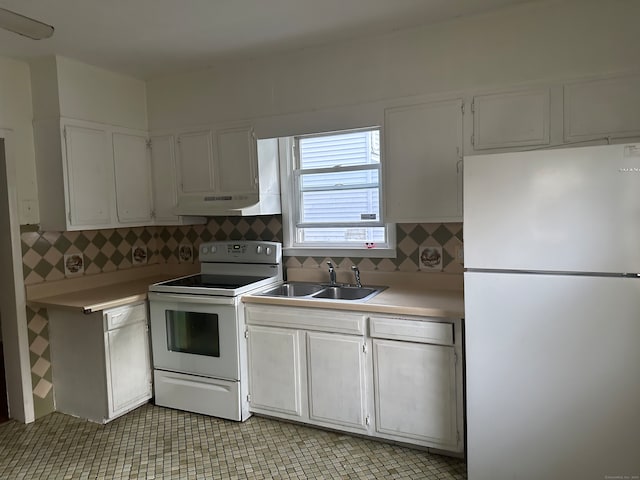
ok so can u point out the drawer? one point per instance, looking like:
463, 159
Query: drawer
411, 330
118, 317
332, 321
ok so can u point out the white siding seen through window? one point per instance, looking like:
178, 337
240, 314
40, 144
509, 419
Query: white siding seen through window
337, 189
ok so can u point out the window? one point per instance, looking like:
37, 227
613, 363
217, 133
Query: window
336, 194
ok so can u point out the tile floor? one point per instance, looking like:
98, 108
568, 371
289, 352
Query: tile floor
157, 443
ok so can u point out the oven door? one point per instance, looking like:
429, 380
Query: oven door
195, 334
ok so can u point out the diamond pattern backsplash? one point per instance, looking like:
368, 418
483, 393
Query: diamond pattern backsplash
109, 250
409, 238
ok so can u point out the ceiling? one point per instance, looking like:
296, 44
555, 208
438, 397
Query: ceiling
147, 38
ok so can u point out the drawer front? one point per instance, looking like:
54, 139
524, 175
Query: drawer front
411, 330
118, 317
208, 396
335, 321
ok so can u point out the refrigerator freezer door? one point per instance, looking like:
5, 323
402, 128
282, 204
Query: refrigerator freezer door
565, 210
553, 376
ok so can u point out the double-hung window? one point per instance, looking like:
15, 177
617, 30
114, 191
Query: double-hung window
336, 195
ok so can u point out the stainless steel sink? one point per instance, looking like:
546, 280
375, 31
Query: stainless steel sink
319, 291
293, 290
347, 293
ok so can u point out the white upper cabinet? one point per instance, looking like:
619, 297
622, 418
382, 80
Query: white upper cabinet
196, 162
90, 177
237, 160
164, 181
218, 174
133, 178
217, 161
511, 119
602, 108
423, 162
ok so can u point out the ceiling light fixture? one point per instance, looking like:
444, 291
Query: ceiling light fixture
16, 23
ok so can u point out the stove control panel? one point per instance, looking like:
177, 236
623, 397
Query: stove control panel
244, 251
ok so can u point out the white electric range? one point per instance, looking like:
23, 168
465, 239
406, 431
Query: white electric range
197, 328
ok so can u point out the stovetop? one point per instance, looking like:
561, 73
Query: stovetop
229, 269
214, 281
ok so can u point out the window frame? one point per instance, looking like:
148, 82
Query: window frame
291, 202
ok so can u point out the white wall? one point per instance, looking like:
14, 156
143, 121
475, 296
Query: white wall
542, 41
15, 115
98, 95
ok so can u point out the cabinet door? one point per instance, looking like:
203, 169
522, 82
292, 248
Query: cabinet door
237, 160
196, 162
415, 392
132, 174
165, 185
90, 176
423, 162
600, 108
128, 366
274, 370
511, 119
337, 380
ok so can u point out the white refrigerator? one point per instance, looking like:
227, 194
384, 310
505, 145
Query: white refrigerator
552, 314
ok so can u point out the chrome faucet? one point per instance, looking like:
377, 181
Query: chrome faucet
356, 273
332, 274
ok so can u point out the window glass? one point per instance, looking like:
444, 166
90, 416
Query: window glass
338, 194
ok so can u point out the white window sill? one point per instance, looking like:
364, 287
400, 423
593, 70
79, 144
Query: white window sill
339, 252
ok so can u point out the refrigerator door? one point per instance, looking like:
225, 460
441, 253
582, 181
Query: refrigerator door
553, 376
565, 210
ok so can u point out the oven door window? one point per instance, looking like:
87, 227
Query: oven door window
193, 332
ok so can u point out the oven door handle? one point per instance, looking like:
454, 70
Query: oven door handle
204, 299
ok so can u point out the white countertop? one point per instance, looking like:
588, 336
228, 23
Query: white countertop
421, 294
91, 293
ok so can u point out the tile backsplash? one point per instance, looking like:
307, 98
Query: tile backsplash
43, 260
110, 250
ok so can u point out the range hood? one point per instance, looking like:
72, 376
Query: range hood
238, 204
263, 200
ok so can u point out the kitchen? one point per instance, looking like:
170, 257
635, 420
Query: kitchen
547, 45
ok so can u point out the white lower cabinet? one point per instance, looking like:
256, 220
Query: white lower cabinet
275, 370
417, 378
299, 369
402, 381
415, 388
101, 364
337, 380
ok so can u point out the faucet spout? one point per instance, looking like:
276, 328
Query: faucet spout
356, 274
332, 273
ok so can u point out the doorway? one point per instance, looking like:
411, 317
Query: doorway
4, 404
13, 322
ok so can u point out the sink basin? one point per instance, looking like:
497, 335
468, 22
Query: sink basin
347, 293
293, 290
316, 291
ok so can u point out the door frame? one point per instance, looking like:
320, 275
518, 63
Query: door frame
12, 295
